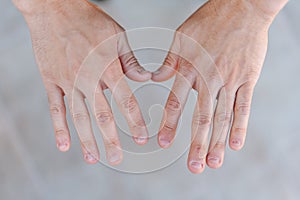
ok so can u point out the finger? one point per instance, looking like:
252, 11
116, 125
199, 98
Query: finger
173, 109
167, 70
241, 116
130, 65
200, 128
170, 64
128, 105
222, 119
58, 115
82, 123
107, 126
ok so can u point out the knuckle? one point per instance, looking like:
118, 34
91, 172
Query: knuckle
129, 103
243, 108
187, 71
213, 76
173, 103
129, 59
202, 120
223, 117
170, 60
253, 73
81, 116
56, 109
169, 127
60, 132
111, 142
138, 123
201, 150
103, 117
113, 75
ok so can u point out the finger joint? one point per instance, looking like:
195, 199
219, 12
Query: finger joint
103, 117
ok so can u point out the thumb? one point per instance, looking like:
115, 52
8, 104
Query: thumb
170, 65
130, 65
167, 70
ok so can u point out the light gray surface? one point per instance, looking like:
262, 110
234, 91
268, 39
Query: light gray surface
32, 168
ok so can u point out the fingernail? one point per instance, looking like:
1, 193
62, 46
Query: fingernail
236, 143
164, 141
114, 158
196, 164
214, 160
90, 157
62, 145
140, 140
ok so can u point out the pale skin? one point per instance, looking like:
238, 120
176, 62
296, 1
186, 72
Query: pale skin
63, 33
234, 33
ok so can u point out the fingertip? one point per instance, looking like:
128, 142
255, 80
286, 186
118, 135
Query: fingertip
62, 144
162, 74
63, 148
140, 140
196, 166
91, 158
236, 144
115, 163
139, 75
115, 158
214, 161
164, 141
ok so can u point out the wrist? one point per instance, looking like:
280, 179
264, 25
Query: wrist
269, 8
29, 6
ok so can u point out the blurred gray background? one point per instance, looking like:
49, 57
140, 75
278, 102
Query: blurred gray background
32, 168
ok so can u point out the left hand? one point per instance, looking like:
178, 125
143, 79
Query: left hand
81, 51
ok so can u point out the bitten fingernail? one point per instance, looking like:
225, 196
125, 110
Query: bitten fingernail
140, 140
90, 157
115, 158
196, 164
63, 145
236, 143
214, 160
164, 141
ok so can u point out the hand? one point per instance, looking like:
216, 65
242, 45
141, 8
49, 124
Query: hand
81, 51
219, 51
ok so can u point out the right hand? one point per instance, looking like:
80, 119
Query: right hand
63, 34
219, 51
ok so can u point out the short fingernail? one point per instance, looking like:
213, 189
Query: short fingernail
214, 160
63, 145
196, 164
164, 141
236, 143
114, 158
90, 157
140, 140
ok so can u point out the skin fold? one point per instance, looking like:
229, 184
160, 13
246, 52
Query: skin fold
81, 51
219, 51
